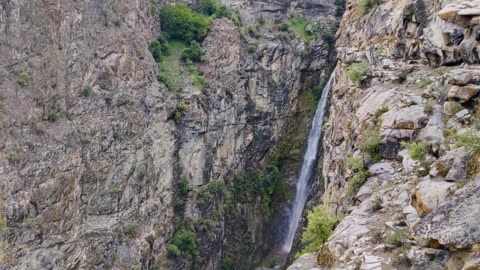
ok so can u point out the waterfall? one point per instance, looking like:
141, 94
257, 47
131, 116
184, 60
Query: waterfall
309, 159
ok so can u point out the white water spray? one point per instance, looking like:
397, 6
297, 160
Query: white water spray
309, 159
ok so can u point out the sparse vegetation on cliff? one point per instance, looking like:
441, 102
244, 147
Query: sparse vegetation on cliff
356, 72
321, 222
366, 6
417, 150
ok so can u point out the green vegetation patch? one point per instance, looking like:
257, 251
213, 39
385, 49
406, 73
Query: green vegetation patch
417, 150
23, 80
183, 246
360, 175
180, 22
321, 223
356, 72
170, 66
366, 6
299, 26
370, 144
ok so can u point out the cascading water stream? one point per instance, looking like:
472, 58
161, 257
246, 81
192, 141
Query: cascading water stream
308, 166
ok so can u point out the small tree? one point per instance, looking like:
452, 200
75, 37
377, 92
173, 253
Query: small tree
321, 222
193, 53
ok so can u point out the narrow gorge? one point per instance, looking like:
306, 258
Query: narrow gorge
240, 135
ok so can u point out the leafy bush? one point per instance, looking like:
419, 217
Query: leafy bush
397, 238
12, 156
184, 244
428, 107
470, 140
207, 7
178, 21
224, 12
378, 113
370, 144
87, 91
248, 187
215, 190
417, 150
321, 222
130, 229
365, 6
156, 50
181, 109
356, 182
357, 71
23, 79
183, 188
53, 115
193, 53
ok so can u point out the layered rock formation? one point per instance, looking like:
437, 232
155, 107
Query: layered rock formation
416, 208
92, 153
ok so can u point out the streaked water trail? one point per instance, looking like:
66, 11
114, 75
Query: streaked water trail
308, 166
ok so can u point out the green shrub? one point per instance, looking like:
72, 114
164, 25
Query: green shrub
130, 229
321, 222
193, 53
251, 29
53, 115
470, 140
357, 72
370, 144
169, 83
397, 238
356, 182
184, 244
213, 191
424, 169
428, 107
355, 163
87, 91
183, 188
12, 156
23, 79
207, 7
156, 50
224, 12
250, 186
378, 113
173, 251
178, 21
416, 150
365, 6
181, 109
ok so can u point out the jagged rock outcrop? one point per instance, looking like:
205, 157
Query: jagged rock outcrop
406, 80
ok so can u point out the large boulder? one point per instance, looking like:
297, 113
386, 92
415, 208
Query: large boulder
412, 117
455, 224
452, 165
429, 194
463, 94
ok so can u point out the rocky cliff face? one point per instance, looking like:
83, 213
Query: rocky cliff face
407, 72
92, 155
